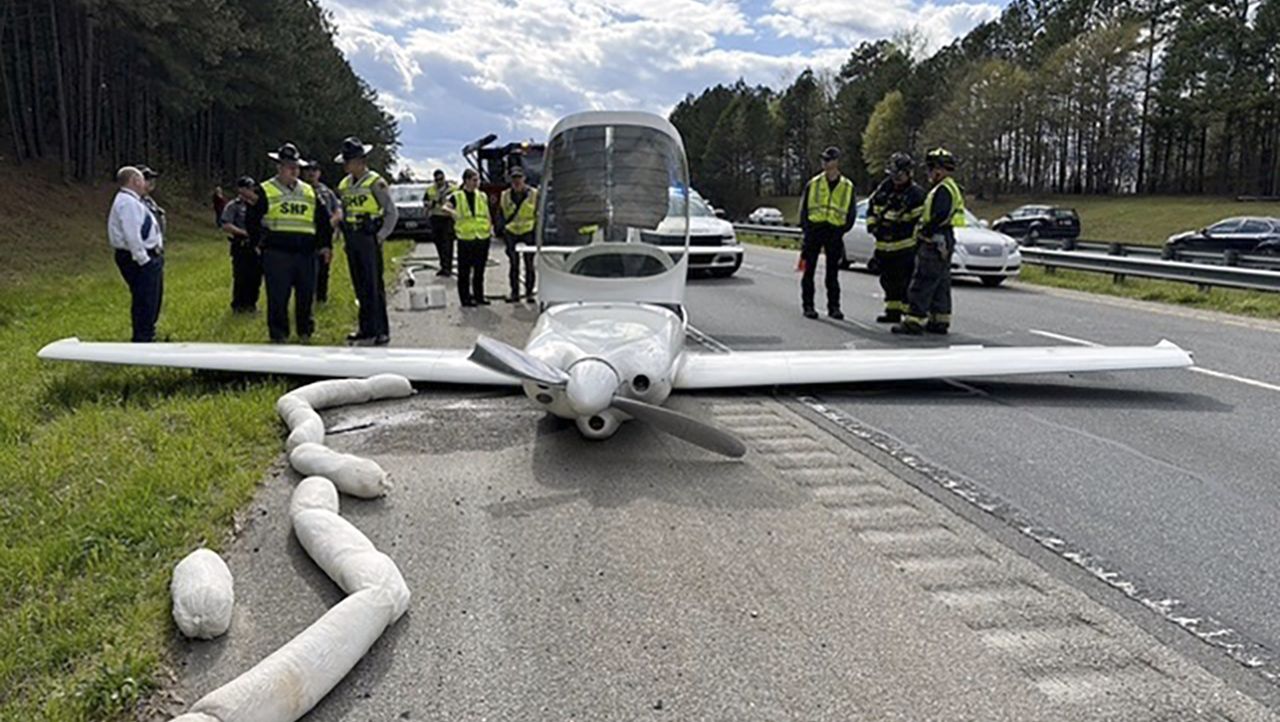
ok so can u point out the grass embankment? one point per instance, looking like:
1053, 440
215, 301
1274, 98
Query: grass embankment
109, 475
1147, 220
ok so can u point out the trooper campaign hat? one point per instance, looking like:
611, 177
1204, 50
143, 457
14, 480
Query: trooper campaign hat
352, 148
287, 153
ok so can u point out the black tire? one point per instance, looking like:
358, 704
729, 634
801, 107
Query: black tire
992, 281
1033, 236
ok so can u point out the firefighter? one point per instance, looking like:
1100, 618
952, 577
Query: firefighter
469, 208
328, 199
827, 212
368, 217
929, 295
519, 205
892, 213
437, 199
290, 226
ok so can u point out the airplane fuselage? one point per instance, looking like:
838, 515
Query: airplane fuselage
608, 349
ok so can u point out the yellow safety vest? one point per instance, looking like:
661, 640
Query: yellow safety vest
290, 210
472, 226
358, 201
436, 195
524, 217
824, 206
957, 203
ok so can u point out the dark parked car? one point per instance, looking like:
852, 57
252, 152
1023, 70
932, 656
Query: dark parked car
412, 213
1034, 222
1243, 234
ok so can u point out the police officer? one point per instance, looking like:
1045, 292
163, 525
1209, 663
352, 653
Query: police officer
290, 226
328, 199
148, 198
469, 208
368, 217
437, 199
519, 205
929, 295
246, 261
892, 214
827, 211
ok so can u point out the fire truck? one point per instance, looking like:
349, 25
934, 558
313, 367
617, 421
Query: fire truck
494, 162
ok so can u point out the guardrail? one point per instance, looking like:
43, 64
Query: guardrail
1206, 270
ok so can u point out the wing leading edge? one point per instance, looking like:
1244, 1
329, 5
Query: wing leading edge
781, 368
424, 365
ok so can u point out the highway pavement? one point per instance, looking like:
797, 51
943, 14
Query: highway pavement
1163, 484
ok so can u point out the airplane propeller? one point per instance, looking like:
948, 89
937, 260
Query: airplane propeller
590, 387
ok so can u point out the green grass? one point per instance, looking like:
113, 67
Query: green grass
1243, 303
109, 475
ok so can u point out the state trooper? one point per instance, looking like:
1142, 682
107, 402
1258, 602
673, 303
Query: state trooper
436, 199
246, 259
519, 206
827, 212
368, 218
929, 295
311, 174
892, 213
473, 226
290, 226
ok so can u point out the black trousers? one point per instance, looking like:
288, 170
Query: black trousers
513, 273
146, 292
896, 268
246, 276
828, 242
364, 260
442, 236
930, 290
289, 273
473, 256
322, 279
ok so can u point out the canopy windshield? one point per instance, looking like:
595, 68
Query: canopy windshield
613, 182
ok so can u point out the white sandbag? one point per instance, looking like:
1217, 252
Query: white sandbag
340, 392
305, 425
348, 557
289, 682
203, 595
353, 475
313, 492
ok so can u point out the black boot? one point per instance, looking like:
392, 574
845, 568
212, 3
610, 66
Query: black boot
938, 328
810, 313
835, 314
889, 317
908, 328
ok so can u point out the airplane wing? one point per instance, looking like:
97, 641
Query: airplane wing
781, 368
426, 365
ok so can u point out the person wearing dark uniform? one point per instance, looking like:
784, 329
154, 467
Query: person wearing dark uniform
148, 198
519, 205
827, 212
290, 226
138, 242
368, 217
436, 199
469, 207
329, 200
246, 260
892, 213
929, 294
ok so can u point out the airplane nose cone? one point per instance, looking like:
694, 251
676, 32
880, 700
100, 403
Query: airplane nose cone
591, 386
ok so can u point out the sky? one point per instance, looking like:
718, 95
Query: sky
452, 71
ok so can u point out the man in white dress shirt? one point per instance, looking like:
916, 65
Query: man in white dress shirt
135, 235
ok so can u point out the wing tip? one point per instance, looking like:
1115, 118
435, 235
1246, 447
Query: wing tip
1171, 346
49, 351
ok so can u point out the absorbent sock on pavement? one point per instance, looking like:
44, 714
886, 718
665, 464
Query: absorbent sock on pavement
203, 595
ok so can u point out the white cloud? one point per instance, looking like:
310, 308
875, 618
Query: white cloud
451, 71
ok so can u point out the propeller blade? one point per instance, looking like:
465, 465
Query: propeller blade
507, 359
683, 427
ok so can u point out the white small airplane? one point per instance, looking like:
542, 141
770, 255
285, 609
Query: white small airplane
610, 342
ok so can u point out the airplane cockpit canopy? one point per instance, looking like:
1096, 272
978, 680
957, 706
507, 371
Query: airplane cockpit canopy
607, 190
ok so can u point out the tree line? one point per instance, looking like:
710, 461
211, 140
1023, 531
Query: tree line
1054, 96
206, 86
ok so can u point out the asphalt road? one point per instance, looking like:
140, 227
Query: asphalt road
1165, 482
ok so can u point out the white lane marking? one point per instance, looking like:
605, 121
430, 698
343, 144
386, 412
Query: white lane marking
1198, 369
1068, 339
